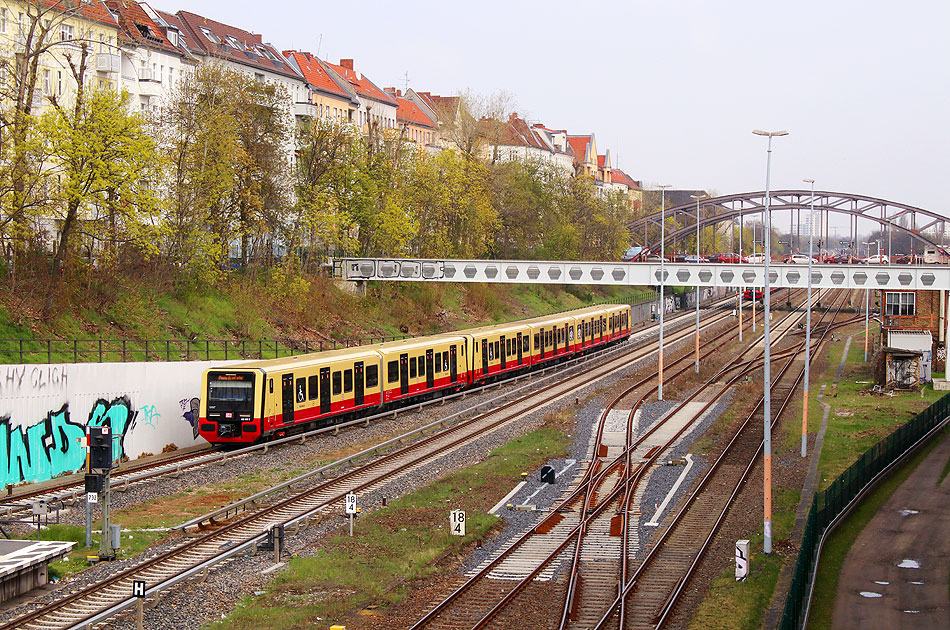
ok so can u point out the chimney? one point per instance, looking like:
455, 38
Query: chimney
389, 90
347, 63
399, 93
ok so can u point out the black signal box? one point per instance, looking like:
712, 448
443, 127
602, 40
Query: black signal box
94, 483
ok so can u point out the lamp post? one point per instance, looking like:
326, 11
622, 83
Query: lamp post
811, 240
767, 395
697, 198
867, 302
662, 188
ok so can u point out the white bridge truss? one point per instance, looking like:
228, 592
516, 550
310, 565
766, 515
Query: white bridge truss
905, 277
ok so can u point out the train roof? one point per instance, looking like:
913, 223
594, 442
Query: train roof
421, 342
305, 360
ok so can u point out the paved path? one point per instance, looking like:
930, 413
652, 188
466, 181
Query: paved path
896, 574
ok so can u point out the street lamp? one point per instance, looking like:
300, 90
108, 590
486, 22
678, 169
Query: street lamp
811, 240
767, 396
867, 300
662, 188
697, 198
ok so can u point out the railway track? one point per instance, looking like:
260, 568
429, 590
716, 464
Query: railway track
112, 595
482, 599
71, 492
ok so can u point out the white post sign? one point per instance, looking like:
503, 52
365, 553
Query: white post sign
742, 560
351, 504
457, 522
92, 497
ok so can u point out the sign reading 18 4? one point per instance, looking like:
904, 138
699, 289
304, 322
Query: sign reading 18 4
457, 522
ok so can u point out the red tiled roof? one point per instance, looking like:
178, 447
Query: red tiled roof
518, 133
135, 25
619, 177
447, 105
250, 51
185, 38
579, 144
409, 112
93, 10
601, 160
360, 82
315, 73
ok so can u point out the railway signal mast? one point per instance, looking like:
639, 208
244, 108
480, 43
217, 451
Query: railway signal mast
767, 396
697, 198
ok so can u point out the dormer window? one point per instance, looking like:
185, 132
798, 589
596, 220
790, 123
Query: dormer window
211, 36
234, 43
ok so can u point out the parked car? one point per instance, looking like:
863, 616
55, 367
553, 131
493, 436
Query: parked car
731, 258
693, 258
755, 259
797, 259
876, 259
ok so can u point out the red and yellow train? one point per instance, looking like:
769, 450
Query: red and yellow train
253, 400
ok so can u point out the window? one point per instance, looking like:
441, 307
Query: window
422, 366
497, 354
271, 386
392, 369
312, 386
537, 340
525, 340
900, 303
65, 32
259, 76
171, 76
301, 390
372, 375
3, 20
412, 367
437, 363
347, 381
337, 383
570, 333
445, 361
211, 36
491, 351
46, 85
59, 82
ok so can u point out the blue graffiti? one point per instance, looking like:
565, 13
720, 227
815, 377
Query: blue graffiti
55, 445
189, 409
49, 448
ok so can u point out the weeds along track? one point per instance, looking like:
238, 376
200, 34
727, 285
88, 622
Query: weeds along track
70, 493
584, 525
215, 542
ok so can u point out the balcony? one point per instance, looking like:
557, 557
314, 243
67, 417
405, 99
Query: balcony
146, 74
304, 109
107, 62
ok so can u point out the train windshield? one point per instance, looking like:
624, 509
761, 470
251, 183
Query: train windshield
230, 391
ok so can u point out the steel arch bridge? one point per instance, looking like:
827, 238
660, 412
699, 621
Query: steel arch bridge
727, 208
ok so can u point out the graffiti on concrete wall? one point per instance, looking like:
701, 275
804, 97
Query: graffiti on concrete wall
54, 445
38, 379
189, 408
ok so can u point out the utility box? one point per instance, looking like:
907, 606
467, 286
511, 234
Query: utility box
742, 560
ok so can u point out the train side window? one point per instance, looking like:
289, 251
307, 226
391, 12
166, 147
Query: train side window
301, 390
491, 351
445, 361
524, 342
570, 333
536, 340
337, 383
422, 366
412, 368
393, 371
312, 387
372, 375
271, 386
497, 345
347, 381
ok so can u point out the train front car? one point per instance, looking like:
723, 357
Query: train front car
230, 411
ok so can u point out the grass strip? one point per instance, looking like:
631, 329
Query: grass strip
395, 546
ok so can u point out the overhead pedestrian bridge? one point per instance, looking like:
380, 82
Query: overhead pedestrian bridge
854, 276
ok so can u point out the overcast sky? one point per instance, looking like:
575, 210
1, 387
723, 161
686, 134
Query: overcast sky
672, 87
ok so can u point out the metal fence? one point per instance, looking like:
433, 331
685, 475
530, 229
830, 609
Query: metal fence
123, 350
832, 502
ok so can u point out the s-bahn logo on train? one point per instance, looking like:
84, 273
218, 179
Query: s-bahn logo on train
254, 400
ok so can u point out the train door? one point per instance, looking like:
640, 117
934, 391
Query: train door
484, 357
287, 398
541, 337
430, 369
404, 374
453, 365
520, 353
603, 325
358, 383
324, 390
503, 351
